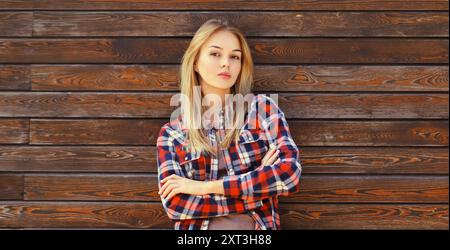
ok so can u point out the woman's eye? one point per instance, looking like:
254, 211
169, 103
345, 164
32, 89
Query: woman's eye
237, 57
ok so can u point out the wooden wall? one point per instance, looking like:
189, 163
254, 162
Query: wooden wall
85, 87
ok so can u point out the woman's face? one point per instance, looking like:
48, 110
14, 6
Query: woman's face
220, 53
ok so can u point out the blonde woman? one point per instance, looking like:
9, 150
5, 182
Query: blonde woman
217, 176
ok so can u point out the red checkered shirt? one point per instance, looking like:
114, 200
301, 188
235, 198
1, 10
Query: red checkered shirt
250, 187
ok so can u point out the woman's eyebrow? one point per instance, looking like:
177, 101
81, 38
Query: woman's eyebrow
221, 48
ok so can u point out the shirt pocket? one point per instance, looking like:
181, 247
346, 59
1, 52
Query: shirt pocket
189, 163
252, 147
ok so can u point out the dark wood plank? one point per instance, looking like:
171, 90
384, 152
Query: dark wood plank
11, 187
84, 214
350, 51
298, 24
152, 215
15, 77
304, 133
105, 131
106, 77
374, 160
351, 78
353, 189
18, 24
157, 105
121, 187
14, 131
264, 50
370, 133
78, 159
16, 4
378, 216
315, 189
314, 160
225, 5
266, 78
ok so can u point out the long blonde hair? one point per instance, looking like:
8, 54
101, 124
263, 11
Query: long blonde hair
189, 78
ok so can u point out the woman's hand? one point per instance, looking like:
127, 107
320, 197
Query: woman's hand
270, 156
175, 184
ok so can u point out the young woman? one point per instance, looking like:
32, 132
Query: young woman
221, 177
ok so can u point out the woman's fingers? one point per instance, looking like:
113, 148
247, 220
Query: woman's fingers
166, 187
172, 193
166, 191
268, 154
172, 176
166, 181
270, 157
273, 157
163, 187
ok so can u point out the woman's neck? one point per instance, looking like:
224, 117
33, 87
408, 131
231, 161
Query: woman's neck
208, 89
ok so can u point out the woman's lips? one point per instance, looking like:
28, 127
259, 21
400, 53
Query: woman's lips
225, 76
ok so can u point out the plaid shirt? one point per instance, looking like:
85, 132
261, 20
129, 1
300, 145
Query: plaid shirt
249, 187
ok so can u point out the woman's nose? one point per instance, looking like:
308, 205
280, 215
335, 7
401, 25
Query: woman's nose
225, 63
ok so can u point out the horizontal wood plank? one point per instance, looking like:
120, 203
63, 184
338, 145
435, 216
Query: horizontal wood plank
157, 105
284, 24
315, 189
83, 214
17, 24
264, 50
14, 131
304, 133
225, 5
266, 78
79, 159
374, 160
371, 133
152, 215
314, 160
379, 216
15, 77
100, 132
11, 187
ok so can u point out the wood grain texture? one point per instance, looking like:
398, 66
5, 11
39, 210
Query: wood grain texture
17, 24
158, 105
315, 189
86, 159
15, 77
85, 87
142, 159
11, 187
95, 132
264, 50
266, 78
14, 131
380, 216
283, 24
304, 133
152, 215
225, 5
